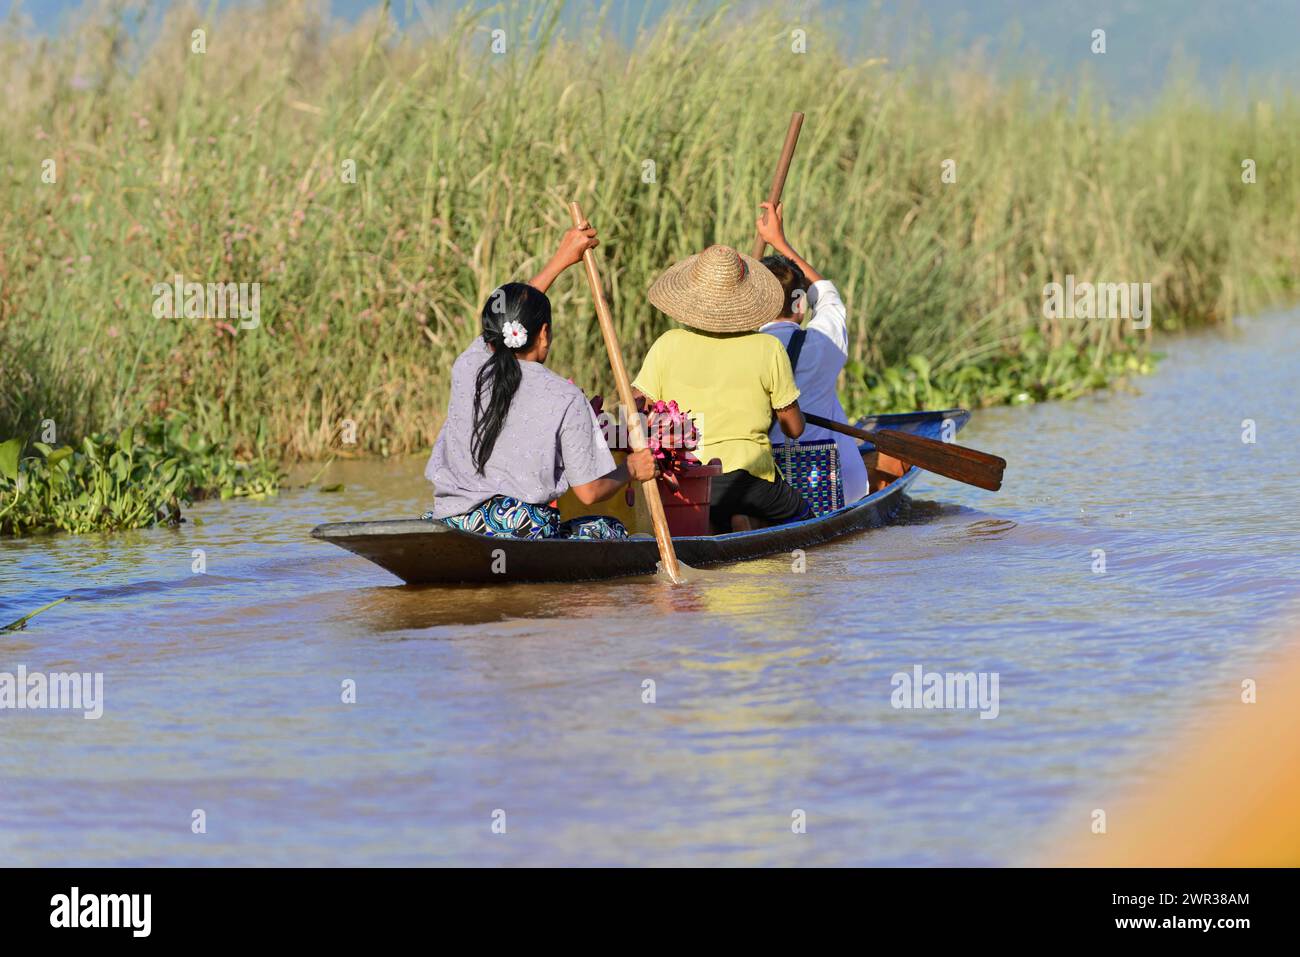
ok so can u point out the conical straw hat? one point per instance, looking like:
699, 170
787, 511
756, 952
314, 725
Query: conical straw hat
719, 290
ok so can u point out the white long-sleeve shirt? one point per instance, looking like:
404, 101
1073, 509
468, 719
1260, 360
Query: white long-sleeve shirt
825, 350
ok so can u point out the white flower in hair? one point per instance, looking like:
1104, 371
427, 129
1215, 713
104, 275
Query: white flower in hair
514, 333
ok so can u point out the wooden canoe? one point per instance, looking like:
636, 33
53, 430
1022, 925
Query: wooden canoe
421, 552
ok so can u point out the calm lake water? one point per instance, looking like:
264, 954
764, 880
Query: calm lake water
223, 690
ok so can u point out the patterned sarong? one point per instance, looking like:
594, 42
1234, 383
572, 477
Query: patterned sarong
502, 515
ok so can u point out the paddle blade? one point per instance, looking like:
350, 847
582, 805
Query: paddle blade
942, 458
684, 573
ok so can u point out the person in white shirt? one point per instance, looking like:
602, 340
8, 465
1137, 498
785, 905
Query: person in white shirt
825, 348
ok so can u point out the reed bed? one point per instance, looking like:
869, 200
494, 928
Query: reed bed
231, 165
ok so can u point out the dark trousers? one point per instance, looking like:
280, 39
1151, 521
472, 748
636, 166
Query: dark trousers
739, 493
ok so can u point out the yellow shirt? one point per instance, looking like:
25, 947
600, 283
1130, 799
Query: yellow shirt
730, 384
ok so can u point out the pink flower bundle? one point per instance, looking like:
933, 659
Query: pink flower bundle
671, 434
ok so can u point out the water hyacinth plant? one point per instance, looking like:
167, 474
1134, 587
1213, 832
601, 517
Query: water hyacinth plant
121, 482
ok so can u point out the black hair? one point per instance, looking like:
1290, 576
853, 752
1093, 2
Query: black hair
500, 375
791, 277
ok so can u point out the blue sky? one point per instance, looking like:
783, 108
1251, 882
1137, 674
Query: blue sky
1225, 42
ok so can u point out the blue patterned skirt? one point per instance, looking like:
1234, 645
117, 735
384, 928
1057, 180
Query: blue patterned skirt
503, 515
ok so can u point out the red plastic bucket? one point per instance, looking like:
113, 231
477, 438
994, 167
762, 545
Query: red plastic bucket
687, 506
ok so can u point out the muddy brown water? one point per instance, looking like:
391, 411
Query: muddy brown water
222, 690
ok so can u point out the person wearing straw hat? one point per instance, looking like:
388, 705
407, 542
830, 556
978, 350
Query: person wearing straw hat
731, 378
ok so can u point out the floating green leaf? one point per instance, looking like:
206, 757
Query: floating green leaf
9, 458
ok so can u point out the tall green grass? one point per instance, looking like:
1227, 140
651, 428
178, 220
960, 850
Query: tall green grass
227, 166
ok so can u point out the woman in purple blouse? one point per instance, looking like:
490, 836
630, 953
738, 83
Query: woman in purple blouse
517, 436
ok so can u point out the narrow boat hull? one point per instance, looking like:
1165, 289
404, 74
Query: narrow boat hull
421, 552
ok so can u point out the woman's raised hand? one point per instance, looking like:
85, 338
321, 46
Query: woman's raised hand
574, 243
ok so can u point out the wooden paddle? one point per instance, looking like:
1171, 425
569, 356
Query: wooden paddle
952, 461
942, 458
778, 178
635, 433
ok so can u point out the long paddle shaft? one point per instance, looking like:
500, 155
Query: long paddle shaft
635, 434
942, 458
778, 178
